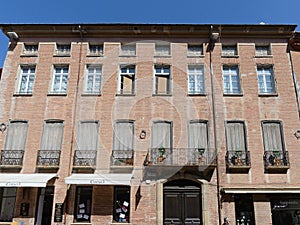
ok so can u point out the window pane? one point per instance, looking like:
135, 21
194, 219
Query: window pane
121, 204
83, 204
16, 136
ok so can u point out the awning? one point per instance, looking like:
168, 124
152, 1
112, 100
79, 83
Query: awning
273, 190
99, 179
25, 180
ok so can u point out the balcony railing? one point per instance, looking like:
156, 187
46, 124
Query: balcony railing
122, 157
12, 157
238, 159
181, 157
85, 158
276, 160
48, 158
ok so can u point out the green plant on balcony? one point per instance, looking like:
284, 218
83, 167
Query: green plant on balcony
161, 151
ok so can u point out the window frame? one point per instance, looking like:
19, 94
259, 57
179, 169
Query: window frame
117, 209
60, 124
33, 52
159, 50
117, 141
228, 48
98, 51
165, 75
8, 196
27, 83
60, 49
94, 75
122, 76
127, 52
265, 68
231, 68
259, 53
280, 130
195, 74
243, 124
61, 75
88, 196
9, 140
194, 53
198, 121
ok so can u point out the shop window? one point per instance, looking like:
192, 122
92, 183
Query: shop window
7, 197
121, 204
83, 204
285, 211
244, 210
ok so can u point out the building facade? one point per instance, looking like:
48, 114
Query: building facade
149, 124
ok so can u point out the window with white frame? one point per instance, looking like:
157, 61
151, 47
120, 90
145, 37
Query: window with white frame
266, 83
30, 49
95, 49
126, 80
198, 137
195, 50
26, 80
195, 79
229, 50
262, 50
128, 49
123, 135
60, 80
162, 49
162, 79
63, 49
235, 136
231, 79
52, 135
93, 79
272, 136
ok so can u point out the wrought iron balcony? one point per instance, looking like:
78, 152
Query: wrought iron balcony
122, 157
181, 157
48, 158
12, 157
85, 158
238, 159
276, 160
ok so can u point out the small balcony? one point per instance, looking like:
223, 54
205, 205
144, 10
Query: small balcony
238, 160
181, 157
276, 160
12, 159
85, 159
122, 160
48, 158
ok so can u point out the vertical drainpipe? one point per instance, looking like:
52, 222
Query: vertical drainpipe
294, 79
212, 40
80, 30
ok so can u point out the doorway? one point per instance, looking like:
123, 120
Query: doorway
45, 204
182, 203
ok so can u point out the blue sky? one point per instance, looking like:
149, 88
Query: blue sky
154, 11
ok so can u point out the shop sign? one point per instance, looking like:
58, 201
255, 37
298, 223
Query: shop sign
100, 181
58, 214
286, 204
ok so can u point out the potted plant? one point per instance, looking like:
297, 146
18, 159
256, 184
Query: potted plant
161, 156
201, 150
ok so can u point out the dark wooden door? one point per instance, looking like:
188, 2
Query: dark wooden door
182, 205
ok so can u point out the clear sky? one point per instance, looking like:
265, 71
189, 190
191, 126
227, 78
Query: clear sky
153, 11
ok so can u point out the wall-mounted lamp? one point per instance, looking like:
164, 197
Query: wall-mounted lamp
2, 127
297, 134
143, 134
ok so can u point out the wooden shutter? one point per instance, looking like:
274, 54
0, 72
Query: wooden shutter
52, 135
198, 135
16, 137
161, 135
235, 136
123, 136
272, 136
88, 135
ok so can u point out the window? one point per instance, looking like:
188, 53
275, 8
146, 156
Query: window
235, 136
83, 204
8, 198
162, 79
121, 204
266, 84
126, 80
93, 79
123, 143
162, 49
30, 49
16, 135
162, 134
63, 49
262, 50
26, 80
52, 135
196, 79
229, 50
95, 49
195, 50
60, 80
272, 135
231, 80
198, 135
128, 49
